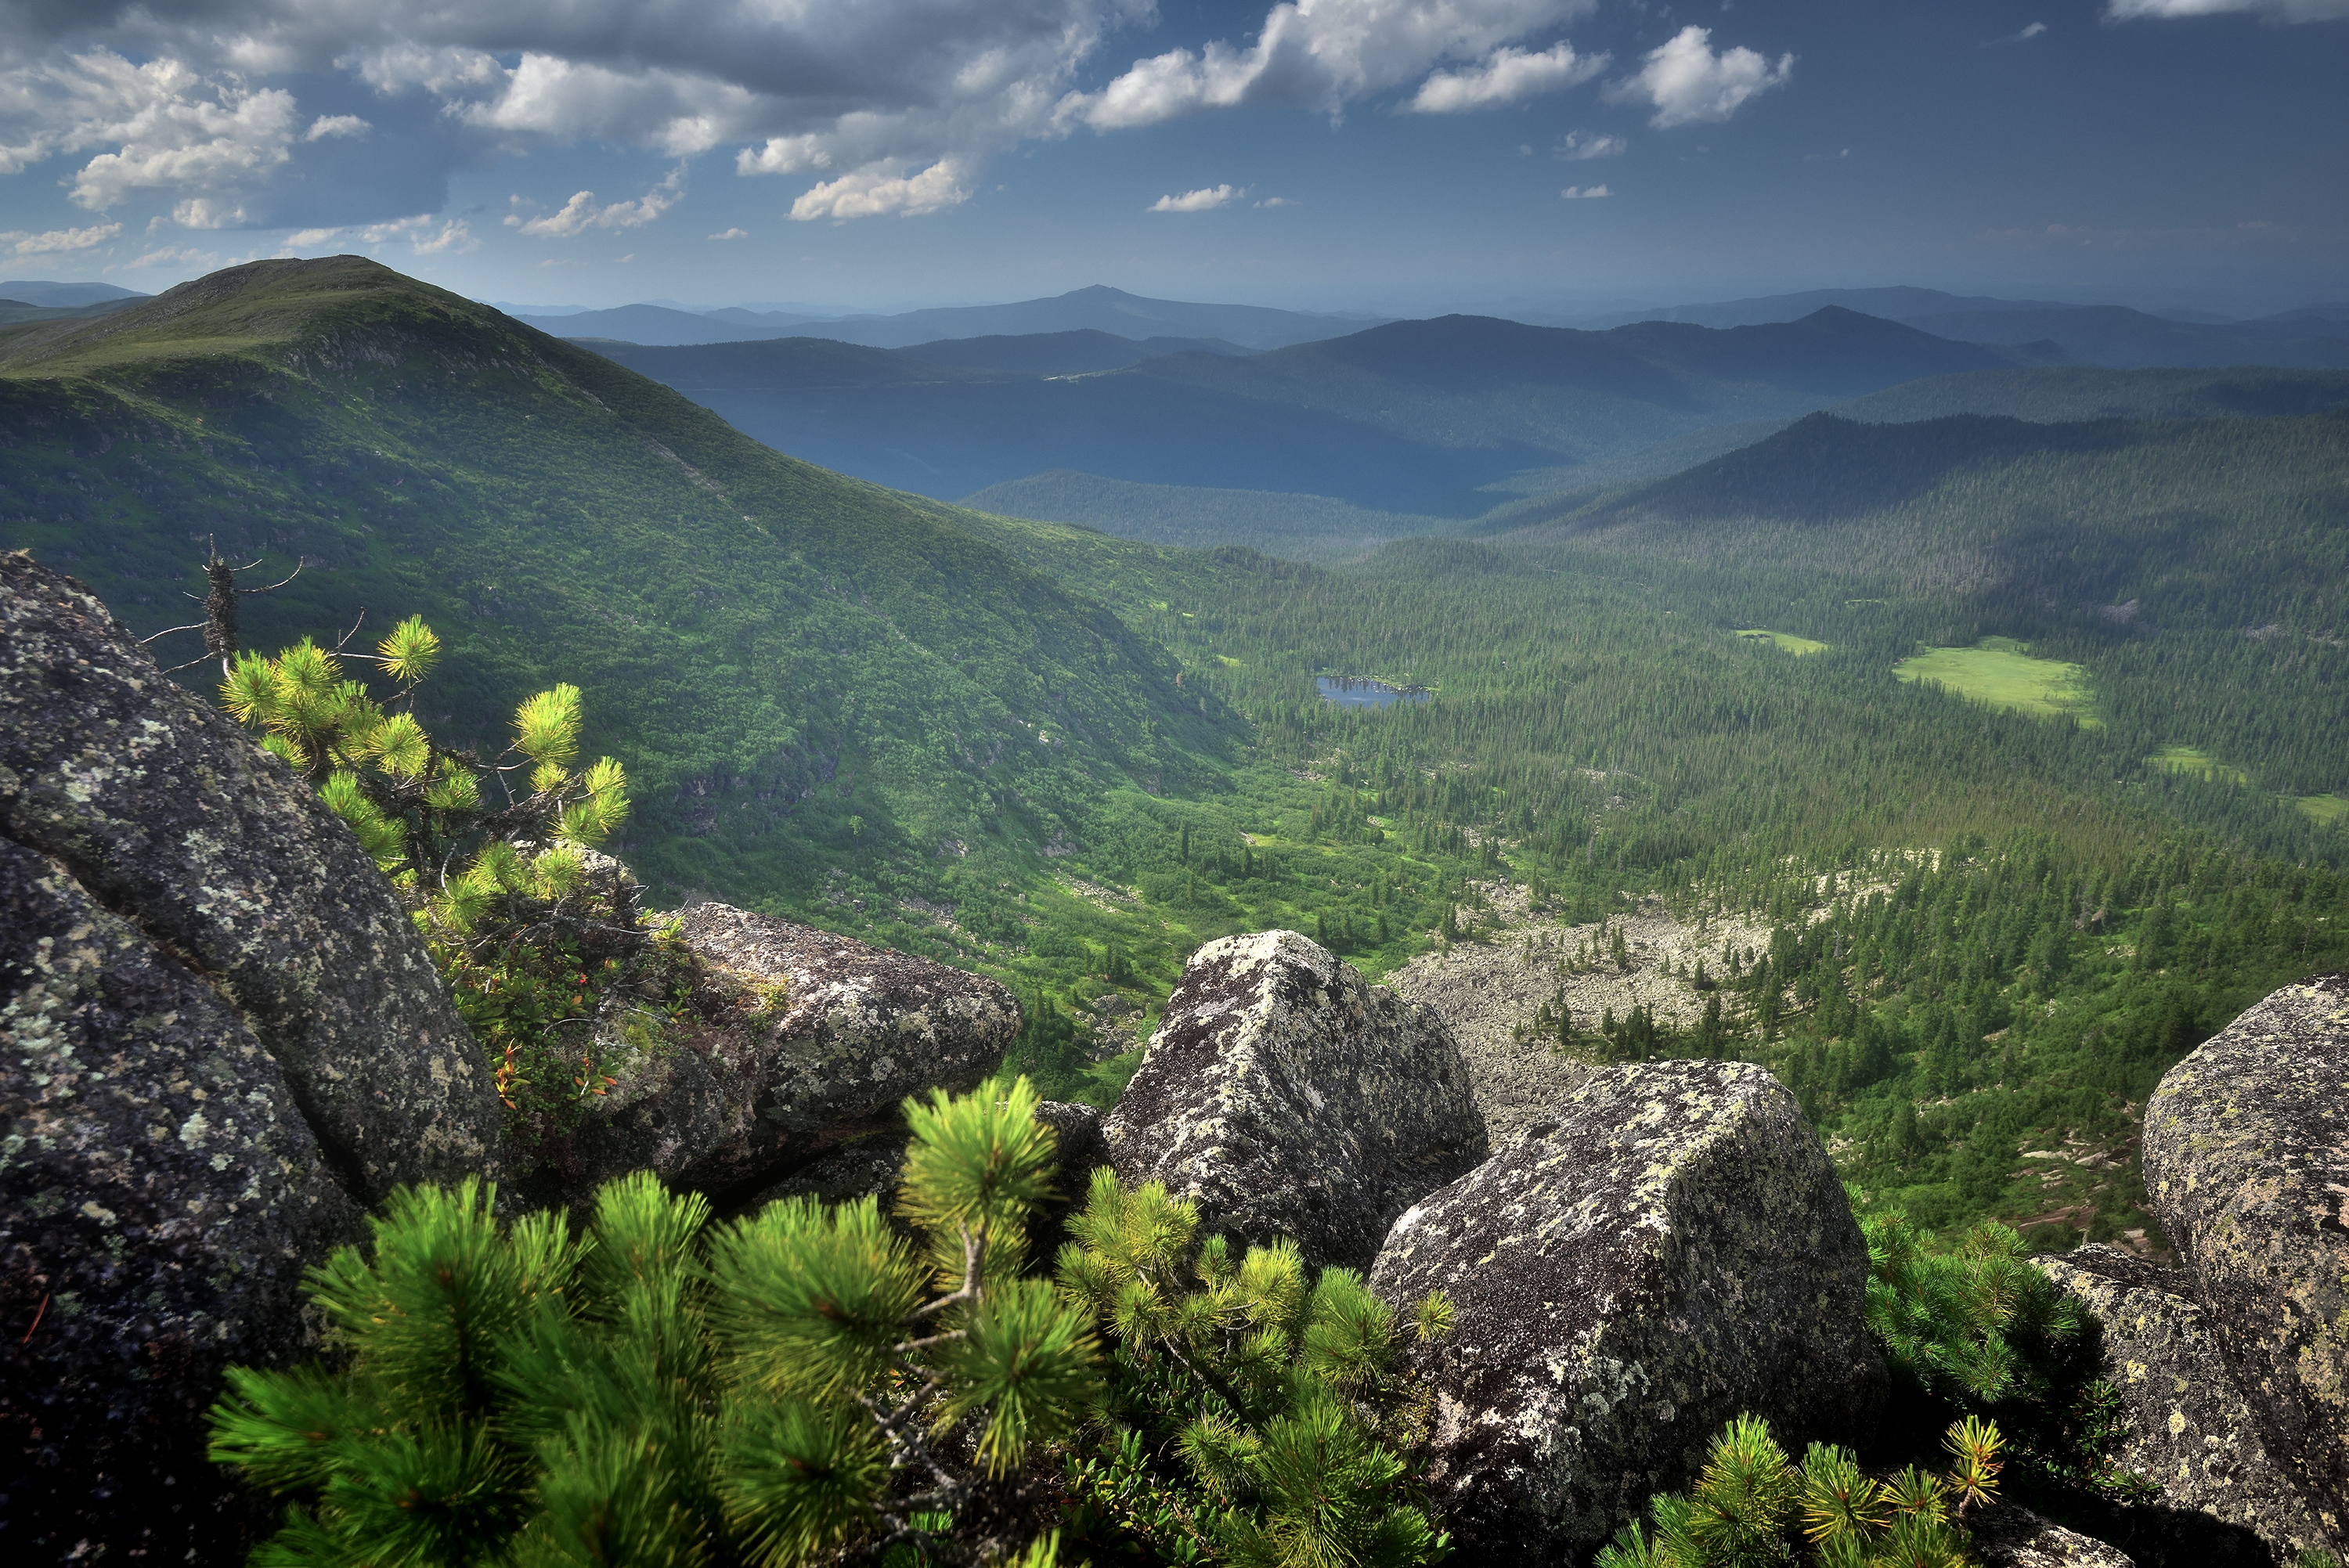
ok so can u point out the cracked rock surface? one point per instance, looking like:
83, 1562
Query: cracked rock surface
2247, 1156
1289, 1096
2189, 1429
168, 815
160, 1196
833, 1035
1668, 1247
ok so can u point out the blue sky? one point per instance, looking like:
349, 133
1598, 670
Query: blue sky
1400, 156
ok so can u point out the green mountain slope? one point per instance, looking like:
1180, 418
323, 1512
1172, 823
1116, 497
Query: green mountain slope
810, 679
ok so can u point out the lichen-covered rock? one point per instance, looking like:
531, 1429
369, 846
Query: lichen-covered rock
174, 819
829, 1035
2009, 1536
1668, 1248
1287, 1096
160, 1196
2189, 1429
2247, 1154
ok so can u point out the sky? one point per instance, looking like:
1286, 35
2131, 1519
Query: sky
1400, 157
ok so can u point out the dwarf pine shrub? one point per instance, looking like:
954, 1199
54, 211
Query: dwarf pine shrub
809, 1382
1753, 1506
495, 858
1282, 1393
661, 1389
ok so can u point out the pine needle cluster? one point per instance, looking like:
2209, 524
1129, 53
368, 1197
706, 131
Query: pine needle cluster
530, 927
1282, 1394
784, 1388
418, 806
1752, 1506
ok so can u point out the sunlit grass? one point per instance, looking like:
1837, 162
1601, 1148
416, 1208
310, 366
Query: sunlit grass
2001, 672
1794, 645
2187, 759
2323, 810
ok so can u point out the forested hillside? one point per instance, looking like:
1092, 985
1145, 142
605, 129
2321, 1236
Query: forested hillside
1067, 759
805, 674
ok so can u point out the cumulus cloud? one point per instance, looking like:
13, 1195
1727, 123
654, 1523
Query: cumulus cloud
1278, 201
875, 192
453, 236
59, 241
1578, 146
2275, 10
1315, 54
888, 106
581, 213
1198, 200
1505, 76
1585, 192
1687, 81
732, 235
170, 128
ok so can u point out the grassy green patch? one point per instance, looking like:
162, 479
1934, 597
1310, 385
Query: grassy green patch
2187, 759
2323, 810
1794, 645
2001, 672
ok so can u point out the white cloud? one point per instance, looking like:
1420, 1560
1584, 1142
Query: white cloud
1585, 192
173, 256
171, 129
309, 238
1687, 82
453, 236
1319, 54
877, 191
2029, 32
1506, 75
1200, 201
581, 213
328, 124
1278, 201
2278, 10
58, 241
732, 234
1581, 146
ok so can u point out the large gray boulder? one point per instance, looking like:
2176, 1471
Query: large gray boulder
1289, 1097
171, 817
2189, 1430
820, 1039
160, 1194
2246, 1155
1669, 1247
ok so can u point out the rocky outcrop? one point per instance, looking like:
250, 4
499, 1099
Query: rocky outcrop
160, 1196
2189, 1429
2247, 1156
2009, 1536
1669, 1247
825, 1036
169, 816
1287, 1096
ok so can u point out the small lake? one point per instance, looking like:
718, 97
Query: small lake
1347, 693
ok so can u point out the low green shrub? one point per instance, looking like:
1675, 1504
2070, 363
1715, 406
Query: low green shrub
1753, 1506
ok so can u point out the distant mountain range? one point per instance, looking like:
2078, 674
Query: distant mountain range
1095, 309
2114, 337
1406, 416
27, 291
